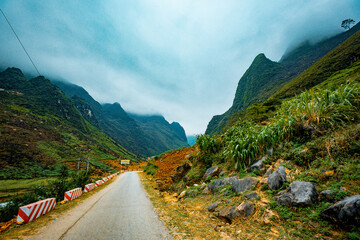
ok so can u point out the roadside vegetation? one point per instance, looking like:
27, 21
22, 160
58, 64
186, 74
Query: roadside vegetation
65, 181
314, 135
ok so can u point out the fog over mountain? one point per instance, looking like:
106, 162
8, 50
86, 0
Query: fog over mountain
180, 59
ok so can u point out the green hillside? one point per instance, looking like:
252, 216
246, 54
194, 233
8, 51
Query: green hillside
264, 77
161, 135
340, 58
312, 137
41, 127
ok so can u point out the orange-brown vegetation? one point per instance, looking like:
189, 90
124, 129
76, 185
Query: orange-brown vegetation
169, 162
6, 225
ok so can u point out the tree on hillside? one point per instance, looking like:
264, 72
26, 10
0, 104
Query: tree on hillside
347, 23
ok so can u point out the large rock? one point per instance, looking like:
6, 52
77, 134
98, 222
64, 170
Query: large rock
277, 178
230, 214
259, 165
252, 195
215, 185
242, 185
226, 213
299, 194
345, 212
212, 207
210, 172
180, 172
245, 209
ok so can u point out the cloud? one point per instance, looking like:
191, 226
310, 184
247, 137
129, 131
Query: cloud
182, 59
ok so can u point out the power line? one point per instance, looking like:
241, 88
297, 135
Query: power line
20, 42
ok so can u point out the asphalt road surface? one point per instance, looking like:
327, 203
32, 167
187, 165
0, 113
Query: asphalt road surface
120, 211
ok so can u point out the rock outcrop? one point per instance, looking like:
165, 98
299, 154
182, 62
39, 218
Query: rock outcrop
180, 172
299, 194
258, 165
210, 172
215, 185
242, 185
277, 178
345, 212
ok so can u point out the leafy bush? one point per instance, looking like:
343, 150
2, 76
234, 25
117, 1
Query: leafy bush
208, 144
80, 178
151, 168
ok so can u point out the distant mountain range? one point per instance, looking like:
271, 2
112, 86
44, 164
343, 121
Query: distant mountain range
144, 135
265, 77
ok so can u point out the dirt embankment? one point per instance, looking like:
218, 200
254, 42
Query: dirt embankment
169, 162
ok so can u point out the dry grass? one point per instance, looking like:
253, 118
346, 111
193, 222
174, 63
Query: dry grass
189, 218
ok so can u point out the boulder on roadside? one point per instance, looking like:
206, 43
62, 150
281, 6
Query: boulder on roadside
229, 213
345, 212
252, 195
226, 213
284, 198
268, 172
245, 209
206, 190
192, 193
215, 185
180, 172
299, 194
277, 178
212, 207
210, 172
242, 185
258, 165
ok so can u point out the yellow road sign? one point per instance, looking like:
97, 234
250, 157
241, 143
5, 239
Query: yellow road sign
125, 162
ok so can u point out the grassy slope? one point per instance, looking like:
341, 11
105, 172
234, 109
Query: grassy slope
264, 78
329, 160
42, 128
340, 58
329, 157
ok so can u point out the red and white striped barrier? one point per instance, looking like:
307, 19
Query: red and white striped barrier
89, 187
34, 210
72, 194
105, 179
98, 183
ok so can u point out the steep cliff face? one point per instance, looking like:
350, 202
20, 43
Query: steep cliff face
265, 77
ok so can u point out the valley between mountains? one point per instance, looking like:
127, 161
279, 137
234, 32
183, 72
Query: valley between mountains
282, 163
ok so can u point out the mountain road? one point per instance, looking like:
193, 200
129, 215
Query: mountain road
119, 211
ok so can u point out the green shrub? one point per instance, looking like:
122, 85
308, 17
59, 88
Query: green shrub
208, 144
151, 168
80, 178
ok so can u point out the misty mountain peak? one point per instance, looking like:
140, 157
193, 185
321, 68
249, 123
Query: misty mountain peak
14, 71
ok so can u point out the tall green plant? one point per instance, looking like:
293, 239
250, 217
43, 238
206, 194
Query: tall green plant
320, 108
208, 144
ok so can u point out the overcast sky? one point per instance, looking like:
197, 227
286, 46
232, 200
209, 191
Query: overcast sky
182, 59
